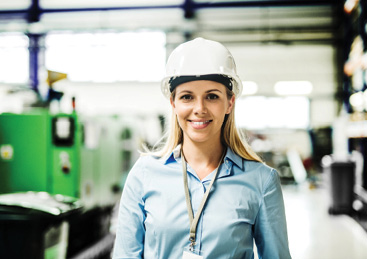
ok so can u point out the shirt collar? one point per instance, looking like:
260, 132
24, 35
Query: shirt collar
236, 159
175, 156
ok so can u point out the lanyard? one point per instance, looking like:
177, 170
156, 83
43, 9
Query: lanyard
194, 220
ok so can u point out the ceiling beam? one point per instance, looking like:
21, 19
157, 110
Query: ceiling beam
34, 12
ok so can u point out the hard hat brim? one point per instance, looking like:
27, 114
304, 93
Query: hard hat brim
167, 88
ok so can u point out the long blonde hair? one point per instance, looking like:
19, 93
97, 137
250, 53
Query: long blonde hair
230, 137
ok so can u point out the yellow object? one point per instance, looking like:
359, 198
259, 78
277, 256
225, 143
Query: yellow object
53, 76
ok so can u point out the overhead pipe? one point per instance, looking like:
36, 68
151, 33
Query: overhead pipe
189, 6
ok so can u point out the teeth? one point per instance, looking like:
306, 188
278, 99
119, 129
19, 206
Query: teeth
200, 122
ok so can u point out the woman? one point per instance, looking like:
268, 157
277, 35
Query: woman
205, 194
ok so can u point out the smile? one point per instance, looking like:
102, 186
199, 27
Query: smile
200, 124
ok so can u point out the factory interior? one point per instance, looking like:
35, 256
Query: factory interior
80, 98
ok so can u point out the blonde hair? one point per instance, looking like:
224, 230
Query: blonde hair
230, 137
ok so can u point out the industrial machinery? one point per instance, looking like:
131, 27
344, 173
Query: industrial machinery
85, 158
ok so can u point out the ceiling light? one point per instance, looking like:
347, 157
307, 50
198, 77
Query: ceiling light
293, 87
356, 100
249, 88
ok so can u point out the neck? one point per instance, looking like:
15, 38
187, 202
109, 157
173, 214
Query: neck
203, 158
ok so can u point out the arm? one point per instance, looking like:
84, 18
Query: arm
130, 232
270, 229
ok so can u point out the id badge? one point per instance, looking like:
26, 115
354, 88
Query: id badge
190, 255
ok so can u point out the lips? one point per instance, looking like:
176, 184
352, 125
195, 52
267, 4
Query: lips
196, 124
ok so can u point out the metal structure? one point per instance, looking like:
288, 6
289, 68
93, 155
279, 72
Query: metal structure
252, 21
35, 11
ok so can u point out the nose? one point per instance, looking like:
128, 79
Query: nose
200, 107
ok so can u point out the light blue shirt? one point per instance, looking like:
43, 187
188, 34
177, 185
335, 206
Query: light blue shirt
245, 204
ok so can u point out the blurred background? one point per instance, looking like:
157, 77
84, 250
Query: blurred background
80, 95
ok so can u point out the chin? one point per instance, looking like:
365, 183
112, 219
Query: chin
199, 139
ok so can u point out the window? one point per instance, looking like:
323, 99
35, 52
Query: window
260, 112
14, 58
105, 3
107, 56
15, 4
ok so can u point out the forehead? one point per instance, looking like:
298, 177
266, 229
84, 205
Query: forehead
200, 86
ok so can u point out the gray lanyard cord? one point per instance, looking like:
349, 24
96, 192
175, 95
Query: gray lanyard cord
194, 220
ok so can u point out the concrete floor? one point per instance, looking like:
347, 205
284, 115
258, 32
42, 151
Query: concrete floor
313, 233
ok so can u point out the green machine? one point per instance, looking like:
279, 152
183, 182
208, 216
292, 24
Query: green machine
83, 157
66, 154
40, 152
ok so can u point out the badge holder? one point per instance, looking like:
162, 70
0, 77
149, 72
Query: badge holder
190, 253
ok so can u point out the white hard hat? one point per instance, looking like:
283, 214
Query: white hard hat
201, 57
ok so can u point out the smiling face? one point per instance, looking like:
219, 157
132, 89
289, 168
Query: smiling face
200, 107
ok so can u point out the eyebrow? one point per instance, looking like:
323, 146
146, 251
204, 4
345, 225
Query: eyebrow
184, 91
214, 90
209, 91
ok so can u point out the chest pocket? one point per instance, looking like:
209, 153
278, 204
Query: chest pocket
230, 221
234, 205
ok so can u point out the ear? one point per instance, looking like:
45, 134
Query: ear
230, 104
172, 102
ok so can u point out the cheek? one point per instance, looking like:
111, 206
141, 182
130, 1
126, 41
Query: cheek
180, 116
182, 111
222, 110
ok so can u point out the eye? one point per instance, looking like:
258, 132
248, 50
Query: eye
212, 96
186, 97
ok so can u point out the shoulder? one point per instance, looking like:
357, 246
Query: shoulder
260, 168
266, 176
144, 162
148, 166
147, 157
141, 171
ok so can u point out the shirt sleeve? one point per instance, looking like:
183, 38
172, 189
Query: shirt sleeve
270, 229
130, 233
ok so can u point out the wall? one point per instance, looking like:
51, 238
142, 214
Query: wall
265, 64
